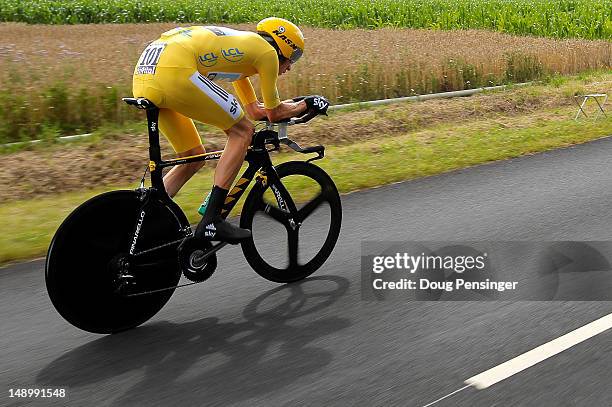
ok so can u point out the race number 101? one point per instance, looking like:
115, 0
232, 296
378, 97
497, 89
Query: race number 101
37, 393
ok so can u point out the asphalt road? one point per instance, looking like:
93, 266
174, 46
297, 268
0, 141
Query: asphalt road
241, 340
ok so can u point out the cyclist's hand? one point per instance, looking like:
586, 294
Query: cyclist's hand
317, 104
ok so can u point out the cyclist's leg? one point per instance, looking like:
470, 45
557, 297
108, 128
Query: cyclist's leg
185, 140
238, 140
201, 99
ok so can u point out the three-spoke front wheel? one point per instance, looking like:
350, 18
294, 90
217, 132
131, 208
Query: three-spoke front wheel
307, 232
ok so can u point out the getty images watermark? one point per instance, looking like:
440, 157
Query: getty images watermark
460, 271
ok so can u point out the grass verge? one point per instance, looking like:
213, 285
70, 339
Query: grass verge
30, 224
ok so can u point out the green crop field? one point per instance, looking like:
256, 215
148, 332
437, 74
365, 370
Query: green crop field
589, 19
61, 75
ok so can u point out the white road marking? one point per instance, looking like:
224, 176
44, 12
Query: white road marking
537, 355
447, 396
534, 356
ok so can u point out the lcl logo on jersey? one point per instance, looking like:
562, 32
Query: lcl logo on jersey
208, 59
232, 54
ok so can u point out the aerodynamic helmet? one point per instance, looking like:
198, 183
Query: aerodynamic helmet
287, 37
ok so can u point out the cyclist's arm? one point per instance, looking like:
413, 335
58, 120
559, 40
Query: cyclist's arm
286, 110
267, 67
246, 94
256, 111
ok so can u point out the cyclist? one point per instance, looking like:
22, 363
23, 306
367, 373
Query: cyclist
178, 71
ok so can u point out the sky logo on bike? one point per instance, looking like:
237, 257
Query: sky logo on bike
210, 230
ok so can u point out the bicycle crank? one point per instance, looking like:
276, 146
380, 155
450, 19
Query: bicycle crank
197, 259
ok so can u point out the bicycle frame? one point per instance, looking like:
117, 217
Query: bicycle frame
257, 156
103, 233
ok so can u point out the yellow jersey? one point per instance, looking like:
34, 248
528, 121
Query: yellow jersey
225, 54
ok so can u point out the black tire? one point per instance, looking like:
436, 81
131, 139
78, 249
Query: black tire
255, 203
80, 272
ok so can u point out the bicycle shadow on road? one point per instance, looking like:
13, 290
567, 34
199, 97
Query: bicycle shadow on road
214, 362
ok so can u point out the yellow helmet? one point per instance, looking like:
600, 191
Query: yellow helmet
287, 36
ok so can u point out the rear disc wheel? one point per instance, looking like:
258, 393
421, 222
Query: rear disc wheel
90, 272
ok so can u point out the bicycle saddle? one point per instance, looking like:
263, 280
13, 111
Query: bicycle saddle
140, 103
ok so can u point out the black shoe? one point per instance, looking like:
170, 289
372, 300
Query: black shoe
221, 230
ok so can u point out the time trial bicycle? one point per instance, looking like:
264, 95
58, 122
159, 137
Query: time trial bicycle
116, 260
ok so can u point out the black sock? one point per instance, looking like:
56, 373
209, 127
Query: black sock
215, 204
